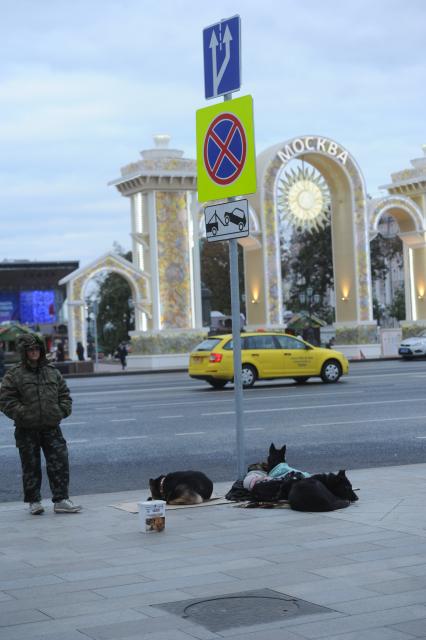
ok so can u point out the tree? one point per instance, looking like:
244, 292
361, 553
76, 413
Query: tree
115, 311
397, 307
215, 274
307, 262
384, 251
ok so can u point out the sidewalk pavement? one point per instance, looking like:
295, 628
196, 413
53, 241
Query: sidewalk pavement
96, 576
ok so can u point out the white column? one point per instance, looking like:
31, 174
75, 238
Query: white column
153, 259
136, 228
196, 299
410, 309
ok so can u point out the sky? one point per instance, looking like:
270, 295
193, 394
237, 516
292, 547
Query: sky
86, 84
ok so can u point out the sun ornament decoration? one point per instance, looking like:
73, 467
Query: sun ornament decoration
304, 198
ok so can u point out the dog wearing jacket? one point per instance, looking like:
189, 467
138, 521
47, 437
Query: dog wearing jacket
319, 492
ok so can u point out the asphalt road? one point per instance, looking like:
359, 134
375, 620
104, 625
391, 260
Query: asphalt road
127, 428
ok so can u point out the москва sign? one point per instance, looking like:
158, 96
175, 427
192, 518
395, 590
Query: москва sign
315, 144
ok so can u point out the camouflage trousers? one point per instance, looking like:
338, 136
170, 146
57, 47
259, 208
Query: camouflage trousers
53, 444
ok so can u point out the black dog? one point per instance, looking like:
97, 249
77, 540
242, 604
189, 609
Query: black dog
182, 487
322, 492
275, 456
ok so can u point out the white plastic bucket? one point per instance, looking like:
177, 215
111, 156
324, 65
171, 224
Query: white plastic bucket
152, 516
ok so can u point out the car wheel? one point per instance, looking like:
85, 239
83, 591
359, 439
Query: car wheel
226, 220
331, 371
214, 231
217, 384
301, 380
248, 375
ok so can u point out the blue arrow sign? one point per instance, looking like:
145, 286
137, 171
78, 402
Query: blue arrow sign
222, 57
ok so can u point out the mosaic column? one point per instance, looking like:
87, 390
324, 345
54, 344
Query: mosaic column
162, 189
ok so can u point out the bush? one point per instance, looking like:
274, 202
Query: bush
163, 342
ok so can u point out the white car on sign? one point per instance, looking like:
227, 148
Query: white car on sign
413, 347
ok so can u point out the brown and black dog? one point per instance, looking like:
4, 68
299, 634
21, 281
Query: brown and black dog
182, 487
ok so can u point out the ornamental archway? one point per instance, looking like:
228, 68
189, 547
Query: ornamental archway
350, 236
77, 282
412, 232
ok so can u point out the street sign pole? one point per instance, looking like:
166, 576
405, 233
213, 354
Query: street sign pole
226, 161
236, 341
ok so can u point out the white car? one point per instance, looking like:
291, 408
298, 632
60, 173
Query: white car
413, 347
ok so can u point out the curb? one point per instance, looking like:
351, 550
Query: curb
134, 372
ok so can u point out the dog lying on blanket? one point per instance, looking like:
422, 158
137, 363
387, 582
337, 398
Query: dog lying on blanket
181, 487
319, 492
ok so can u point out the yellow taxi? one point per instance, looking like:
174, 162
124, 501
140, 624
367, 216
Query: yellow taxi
265, 356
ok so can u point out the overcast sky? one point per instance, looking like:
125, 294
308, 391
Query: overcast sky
85, 84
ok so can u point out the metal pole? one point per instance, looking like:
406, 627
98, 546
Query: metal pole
236, 341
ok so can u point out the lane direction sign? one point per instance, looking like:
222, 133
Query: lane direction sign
227, 220
226, 160
222, 57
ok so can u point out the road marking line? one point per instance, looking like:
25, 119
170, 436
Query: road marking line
123, 420
255, 429
130, 437
165, 417
318, 406
253, 398
72, 424
325, 424
76, 441
421, 437
150, 390
7, 446
190, 433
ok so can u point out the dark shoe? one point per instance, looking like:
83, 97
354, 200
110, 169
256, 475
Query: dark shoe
66, 506
36, 508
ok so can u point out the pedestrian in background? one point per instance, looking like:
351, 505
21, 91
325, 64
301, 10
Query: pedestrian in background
80, 351
122, 354
60, 352
1, 360
35, 396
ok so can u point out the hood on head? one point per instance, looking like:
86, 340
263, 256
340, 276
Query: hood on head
29, 340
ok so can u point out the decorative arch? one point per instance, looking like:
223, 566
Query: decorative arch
411, 223
351, 257
78, 280
405, 211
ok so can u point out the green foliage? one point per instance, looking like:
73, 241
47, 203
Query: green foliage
382, 252
308, 262
397, 308
215, 274
159, 343
356, 335
115, 314
378, 310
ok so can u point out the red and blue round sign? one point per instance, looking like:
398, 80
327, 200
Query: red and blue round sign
225, 147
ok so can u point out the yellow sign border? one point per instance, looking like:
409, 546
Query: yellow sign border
241, 108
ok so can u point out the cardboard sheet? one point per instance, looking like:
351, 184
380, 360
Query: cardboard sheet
132, 507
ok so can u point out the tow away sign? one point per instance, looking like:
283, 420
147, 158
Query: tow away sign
227, 220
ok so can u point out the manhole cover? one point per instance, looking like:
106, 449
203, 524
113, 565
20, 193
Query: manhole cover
241, 609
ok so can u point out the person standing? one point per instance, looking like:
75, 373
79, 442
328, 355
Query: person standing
35, 396
1, 360
80, 351
122, 354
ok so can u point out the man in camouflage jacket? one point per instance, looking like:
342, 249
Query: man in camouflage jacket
35, 396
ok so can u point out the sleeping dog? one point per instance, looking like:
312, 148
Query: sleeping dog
319, 492
182, 487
